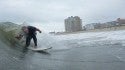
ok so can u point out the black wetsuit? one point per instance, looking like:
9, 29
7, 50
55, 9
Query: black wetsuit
31, 34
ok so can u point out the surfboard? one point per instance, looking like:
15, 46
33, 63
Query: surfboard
39, 49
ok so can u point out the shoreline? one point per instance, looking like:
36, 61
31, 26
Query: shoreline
94, 30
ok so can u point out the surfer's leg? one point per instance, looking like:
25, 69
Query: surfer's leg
35, 40
28, 39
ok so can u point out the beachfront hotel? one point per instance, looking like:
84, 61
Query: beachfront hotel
73, 24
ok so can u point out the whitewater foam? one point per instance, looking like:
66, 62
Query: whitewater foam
94, 39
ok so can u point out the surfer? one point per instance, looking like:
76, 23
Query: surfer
30, 32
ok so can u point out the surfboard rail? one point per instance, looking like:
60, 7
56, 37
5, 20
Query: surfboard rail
40, 49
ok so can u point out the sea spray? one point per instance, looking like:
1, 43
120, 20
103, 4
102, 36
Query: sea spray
47, 40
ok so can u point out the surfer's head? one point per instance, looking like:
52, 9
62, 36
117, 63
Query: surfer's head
25, 29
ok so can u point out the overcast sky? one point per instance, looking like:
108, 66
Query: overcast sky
50, 14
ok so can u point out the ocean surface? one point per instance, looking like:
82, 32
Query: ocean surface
82, 51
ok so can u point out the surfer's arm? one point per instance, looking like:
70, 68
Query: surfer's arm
38, 30
19, 36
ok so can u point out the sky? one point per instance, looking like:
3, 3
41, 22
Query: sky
49, 15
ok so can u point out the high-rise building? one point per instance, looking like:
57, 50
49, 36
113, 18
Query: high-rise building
73, 24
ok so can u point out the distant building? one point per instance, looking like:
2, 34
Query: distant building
121, 21
89, 27
100, 25
73, 24
92, 26
111, 24
118, 22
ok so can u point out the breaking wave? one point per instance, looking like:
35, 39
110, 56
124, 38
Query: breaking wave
60, 42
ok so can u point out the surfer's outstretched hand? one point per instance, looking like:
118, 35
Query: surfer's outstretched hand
40, 31
19, 37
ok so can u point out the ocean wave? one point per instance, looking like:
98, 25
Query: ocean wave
8, 31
